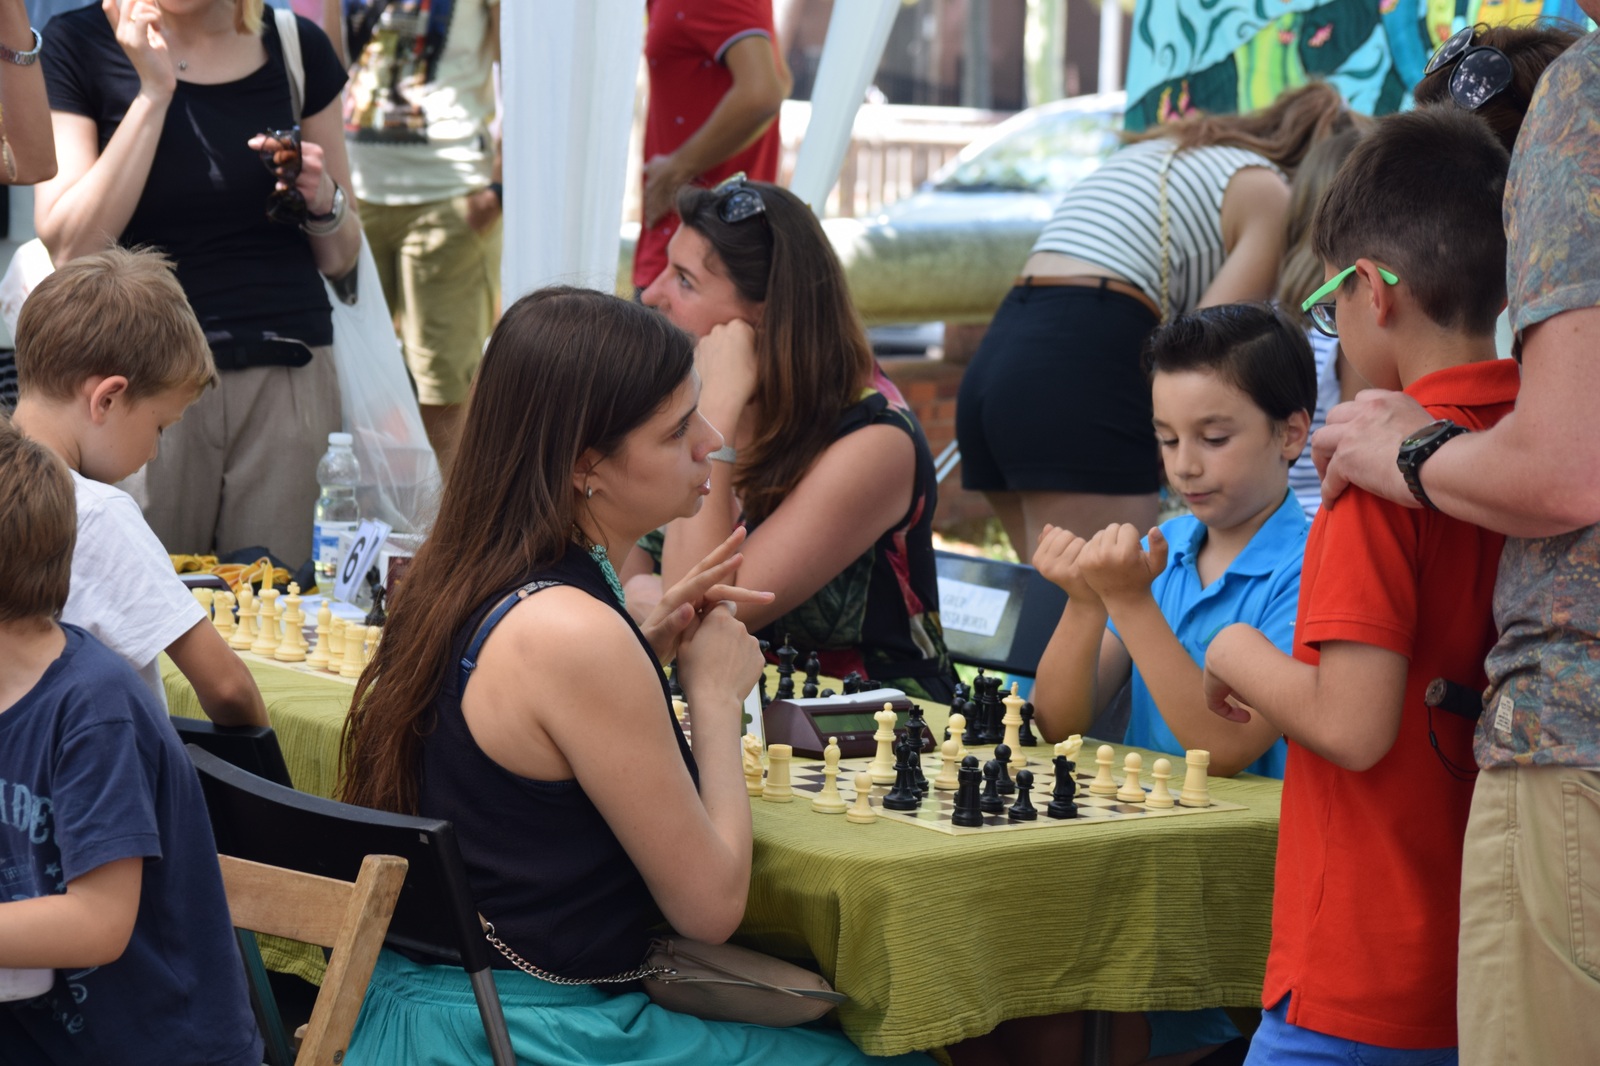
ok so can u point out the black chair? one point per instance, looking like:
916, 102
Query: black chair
249, 747
434, 918
996, 615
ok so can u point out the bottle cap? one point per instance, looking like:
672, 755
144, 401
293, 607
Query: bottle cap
340, 440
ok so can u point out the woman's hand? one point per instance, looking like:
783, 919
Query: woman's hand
680, 609
138, 29
719, 664
726, 360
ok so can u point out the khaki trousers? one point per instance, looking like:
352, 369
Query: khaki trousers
1529, 977
240, 469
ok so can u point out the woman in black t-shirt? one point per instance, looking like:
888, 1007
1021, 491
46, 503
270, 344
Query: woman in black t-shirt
157, 107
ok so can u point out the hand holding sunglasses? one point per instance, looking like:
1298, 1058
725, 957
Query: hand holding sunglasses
285, 156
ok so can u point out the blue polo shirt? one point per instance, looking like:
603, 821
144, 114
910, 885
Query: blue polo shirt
1261, 588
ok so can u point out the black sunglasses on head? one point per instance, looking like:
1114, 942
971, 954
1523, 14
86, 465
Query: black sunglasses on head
280, 154
1482, 72
737, 201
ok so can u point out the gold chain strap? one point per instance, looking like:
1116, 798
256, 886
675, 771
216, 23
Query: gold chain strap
638, 973
1166, 239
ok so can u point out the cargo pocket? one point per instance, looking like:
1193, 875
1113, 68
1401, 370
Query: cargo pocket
1581, 828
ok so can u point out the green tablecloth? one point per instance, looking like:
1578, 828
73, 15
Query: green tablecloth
937, 938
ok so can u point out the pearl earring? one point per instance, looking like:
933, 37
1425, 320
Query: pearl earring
588, 491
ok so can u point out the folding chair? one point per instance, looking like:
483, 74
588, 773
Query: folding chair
995, 614
348, 917
434, 918
249, 747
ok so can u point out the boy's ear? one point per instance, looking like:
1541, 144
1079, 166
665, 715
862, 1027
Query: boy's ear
103, 394
1296, 432
1381, 293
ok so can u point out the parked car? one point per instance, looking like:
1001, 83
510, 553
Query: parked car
949, 252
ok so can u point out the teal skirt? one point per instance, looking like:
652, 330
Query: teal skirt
426, 1015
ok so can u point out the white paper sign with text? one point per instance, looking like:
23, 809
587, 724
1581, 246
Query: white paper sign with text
971, 608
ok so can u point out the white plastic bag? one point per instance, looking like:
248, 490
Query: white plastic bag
29, 265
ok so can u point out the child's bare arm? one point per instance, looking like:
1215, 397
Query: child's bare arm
1083, 663
88, 925
1346, 709
227, 692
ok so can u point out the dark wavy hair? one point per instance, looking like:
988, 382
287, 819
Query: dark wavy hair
1254, 347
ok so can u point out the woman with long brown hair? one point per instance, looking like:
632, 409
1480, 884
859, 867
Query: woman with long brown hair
513, 695
825, 464
1053, 416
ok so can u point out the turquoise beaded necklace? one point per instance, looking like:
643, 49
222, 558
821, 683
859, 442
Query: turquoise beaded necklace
597, 552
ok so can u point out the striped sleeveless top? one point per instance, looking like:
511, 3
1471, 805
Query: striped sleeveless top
1112, 217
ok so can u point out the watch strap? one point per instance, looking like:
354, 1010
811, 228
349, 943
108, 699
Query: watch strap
23, 59
1413, 455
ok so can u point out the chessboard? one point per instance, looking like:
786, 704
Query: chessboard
934, 813
276, 632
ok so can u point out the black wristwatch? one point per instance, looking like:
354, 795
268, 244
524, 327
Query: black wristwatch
1415, 449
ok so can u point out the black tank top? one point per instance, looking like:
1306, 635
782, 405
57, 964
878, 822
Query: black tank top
544, 866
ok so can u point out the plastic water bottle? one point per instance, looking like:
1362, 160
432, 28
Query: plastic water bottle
337, 512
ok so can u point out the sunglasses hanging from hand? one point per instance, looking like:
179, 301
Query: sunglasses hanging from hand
1481, 72
280, 154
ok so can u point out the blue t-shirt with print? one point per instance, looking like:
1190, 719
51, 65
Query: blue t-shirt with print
91, 772
1260, 588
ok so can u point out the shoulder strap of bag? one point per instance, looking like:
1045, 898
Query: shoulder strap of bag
289, 40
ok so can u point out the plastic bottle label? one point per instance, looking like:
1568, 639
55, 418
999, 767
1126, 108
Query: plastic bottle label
325, 542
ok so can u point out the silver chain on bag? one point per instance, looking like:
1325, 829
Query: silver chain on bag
638, 973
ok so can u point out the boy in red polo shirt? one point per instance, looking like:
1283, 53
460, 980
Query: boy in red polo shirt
1378, 786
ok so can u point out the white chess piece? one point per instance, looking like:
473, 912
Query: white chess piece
958, 726
1012, 720
751, 749
1160, 795
829, 801
222, 618
336, 645
1074, 745
268, 634
1103, 785
244, 634
1196, 792
291, 648
882, 768
355, 650
318, 659
862, 813
777, 789
948, 779
1131, 791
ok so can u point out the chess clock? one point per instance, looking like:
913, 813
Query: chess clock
806, 724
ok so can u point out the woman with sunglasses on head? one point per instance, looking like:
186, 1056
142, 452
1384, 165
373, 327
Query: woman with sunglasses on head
513, 695
1054, 414
825, 464
159, 108
1492, 71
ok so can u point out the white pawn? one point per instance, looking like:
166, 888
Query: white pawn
949, 780
882, 769
958, 725
336, 645
1012, 720
355, 658
206, 598
1131, 791
1160, 796
223, 616
862, 813
1196, 792
777, 789
1103, 785
318, 659
245, 634
828, 801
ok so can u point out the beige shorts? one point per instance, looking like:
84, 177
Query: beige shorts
442, 281
1529, 974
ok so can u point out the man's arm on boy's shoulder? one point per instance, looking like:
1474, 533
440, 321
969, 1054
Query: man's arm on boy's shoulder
1346, 709
224, 685
88, 925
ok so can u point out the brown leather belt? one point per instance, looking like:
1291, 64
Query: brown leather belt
1092, 282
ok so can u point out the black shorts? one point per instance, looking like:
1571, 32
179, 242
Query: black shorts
1056, 401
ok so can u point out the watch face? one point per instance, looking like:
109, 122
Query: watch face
1427, 433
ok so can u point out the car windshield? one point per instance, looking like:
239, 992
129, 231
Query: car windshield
1045, 156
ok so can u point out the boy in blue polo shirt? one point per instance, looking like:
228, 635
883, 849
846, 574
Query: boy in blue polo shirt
1232, 389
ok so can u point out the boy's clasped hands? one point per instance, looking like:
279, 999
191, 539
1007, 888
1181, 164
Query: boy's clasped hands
1112, 567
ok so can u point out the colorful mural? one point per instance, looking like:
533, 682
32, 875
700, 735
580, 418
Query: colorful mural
1236, 55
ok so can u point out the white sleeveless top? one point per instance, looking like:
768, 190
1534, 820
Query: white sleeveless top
1112, 218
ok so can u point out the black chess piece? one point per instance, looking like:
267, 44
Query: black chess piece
1023, 810
991, 731
958, 702
903, 796
973, 736
967, 813
991, 802
915, 733
786, 657
827, 693
813, 667
761, 685
676, 690
917, 729
1025, 735
1002, 755
1062, 796
377, 615
852, 683
809, 689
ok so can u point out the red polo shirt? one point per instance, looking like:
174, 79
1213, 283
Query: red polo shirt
1366, 908
686, 47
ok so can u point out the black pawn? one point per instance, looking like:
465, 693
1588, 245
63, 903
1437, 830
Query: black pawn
827, 693
991, 802
786, 657
903, 796
1025, 735
1002, 755
1022, 810
1061, 798
813, 667
967, 811
809, 689
972, 737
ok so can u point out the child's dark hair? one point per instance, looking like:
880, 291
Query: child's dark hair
1253, 347
1421, 195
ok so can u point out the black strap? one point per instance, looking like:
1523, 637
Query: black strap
360, 33
469, 658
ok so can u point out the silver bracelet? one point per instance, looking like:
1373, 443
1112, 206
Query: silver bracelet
23, 59
323, 225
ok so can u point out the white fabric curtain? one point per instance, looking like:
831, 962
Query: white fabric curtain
857, 34
567, 77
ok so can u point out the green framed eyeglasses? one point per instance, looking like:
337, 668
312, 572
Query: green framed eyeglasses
1322, 311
